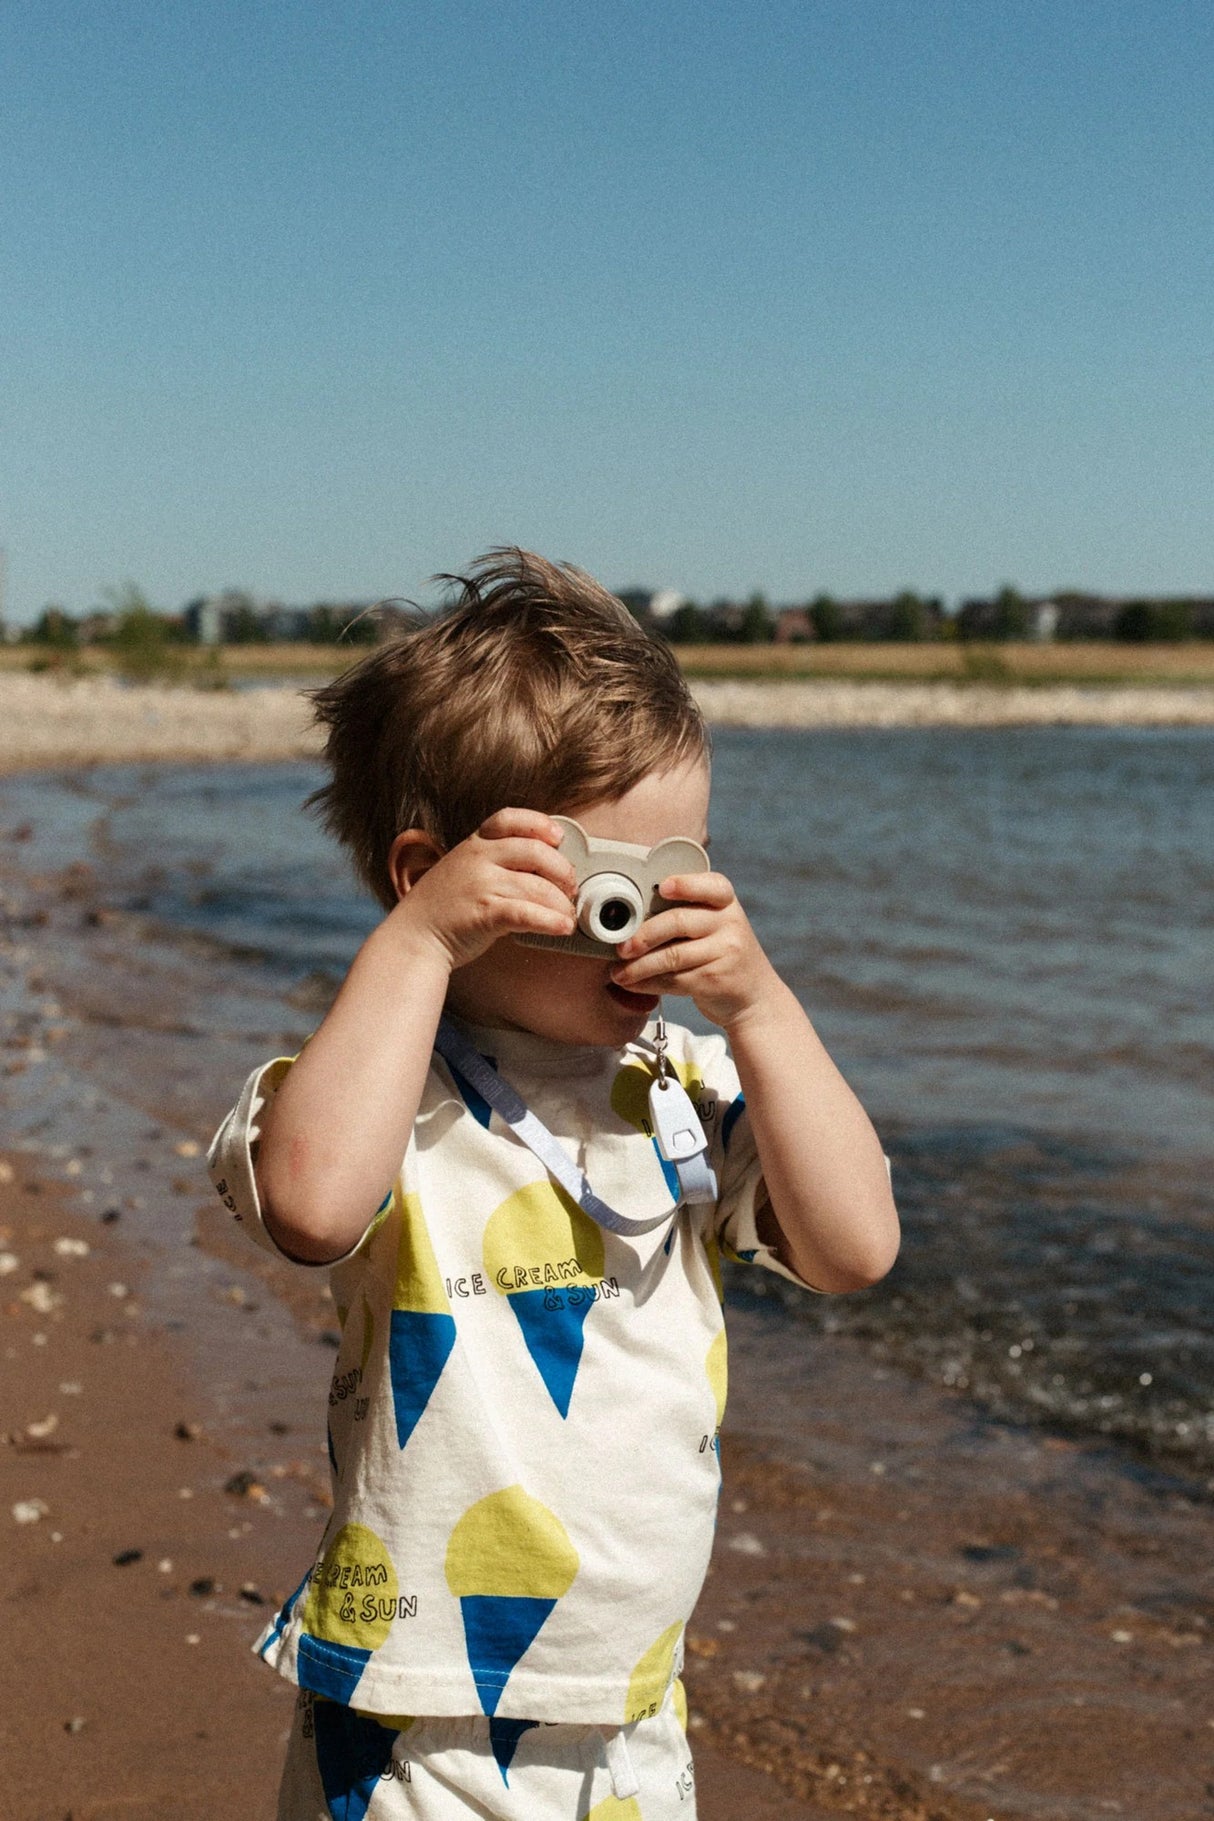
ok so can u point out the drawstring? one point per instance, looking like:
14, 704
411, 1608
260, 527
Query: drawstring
619, 1765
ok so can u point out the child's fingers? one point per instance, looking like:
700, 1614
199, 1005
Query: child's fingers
669, 964
532, 824
713, 889
524, 916
515, 854
506, 891
669, 926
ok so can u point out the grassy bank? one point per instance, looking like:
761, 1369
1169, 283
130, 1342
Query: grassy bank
1098, 662
1109, 662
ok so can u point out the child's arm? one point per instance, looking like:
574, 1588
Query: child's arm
334, 1135
823, 1168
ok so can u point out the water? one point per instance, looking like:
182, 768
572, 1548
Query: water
1005, 939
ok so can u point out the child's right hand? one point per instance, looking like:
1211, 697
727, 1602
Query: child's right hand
507, 879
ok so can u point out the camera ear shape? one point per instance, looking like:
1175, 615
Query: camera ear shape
677, 855
574, 845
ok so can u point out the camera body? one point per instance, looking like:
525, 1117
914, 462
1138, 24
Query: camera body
617, 887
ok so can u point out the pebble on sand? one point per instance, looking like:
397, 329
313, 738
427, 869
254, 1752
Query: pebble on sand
246, 1485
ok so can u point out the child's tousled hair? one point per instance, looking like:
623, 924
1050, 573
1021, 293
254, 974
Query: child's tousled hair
534, 688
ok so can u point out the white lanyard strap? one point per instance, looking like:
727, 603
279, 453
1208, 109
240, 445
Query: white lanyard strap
698, 1184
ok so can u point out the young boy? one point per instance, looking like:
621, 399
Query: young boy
532, 1370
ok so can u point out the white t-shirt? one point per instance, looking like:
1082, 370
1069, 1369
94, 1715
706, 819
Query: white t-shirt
524, 1411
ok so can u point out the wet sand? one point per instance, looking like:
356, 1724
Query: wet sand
44, 721
915, 1613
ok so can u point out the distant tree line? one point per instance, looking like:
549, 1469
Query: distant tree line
143, 640
128, 624
908, 617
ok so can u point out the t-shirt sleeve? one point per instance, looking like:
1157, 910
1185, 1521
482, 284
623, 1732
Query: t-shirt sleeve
233, 1155
741, 1189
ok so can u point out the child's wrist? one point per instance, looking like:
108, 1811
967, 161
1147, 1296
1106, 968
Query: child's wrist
407, 937
773, 1002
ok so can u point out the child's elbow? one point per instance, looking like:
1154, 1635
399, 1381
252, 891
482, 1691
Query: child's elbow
876, 1261
300, 1225
870, 1255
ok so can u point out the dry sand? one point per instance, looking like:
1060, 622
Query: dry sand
44, 721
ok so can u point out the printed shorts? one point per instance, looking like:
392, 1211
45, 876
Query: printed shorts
344, 1766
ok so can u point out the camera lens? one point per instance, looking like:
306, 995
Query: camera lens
610, 907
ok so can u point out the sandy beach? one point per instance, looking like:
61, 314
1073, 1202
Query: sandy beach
92, 720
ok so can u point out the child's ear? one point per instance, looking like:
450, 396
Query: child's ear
411, 854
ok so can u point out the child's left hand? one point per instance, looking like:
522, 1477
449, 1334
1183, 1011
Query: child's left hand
703, 947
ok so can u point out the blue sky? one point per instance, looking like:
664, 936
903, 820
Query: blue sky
848, 295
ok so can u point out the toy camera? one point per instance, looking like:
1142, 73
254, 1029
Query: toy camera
617, 887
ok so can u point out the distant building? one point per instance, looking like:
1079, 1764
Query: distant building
664, 603
794, 626
652, 606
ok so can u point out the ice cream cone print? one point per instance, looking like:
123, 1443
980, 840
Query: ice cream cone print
504, 1736
422, 1329
351, 1602
509, 1560
353, 1750
546, 1257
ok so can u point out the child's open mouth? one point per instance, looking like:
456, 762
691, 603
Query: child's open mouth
632, 1002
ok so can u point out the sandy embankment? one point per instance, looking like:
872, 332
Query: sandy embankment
93, 720
845, 704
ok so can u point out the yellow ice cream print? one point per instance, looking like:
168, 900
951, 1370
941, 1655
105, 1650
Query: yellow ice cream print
717, 1367
510, 1545
419, 1283
421, 1328
353, 1597
651, 1678
612, 1809
546, 1257
509, 1560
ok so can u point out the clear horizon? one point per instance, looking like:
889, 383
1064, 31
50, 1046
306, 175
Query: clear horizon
843, 297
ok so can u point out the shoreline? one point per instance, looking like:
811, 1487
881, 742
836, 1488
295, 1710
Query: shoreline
45, 722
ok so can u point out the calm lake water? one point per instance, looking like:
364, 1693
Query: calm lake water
1006, 938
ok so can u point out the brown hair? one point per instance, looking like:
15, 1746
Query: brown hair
534, 688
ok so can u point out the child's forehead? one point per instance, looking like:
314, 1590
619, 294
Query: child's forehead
657, 806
